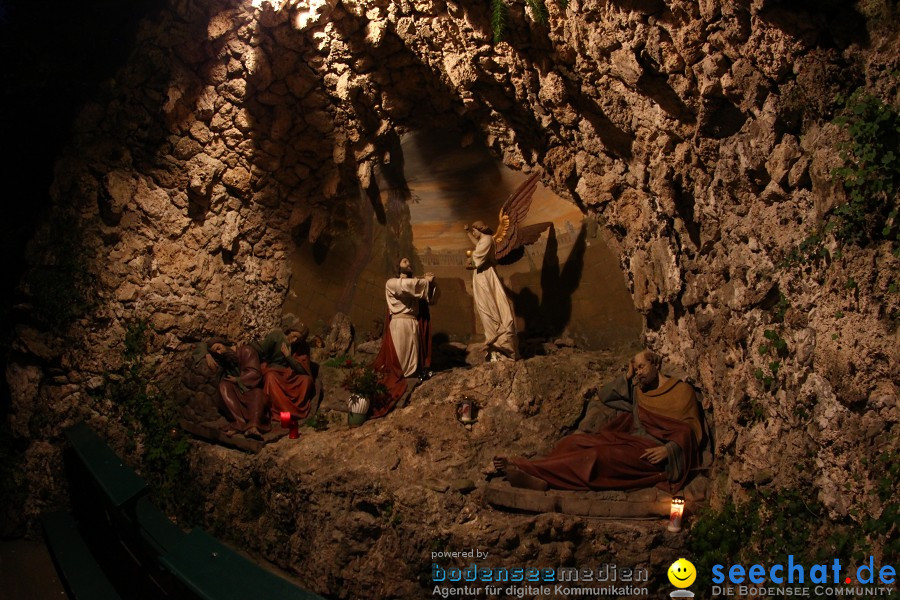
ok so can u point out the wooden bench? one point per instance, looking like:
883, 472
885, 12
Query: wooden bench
117, 482
213, 571
81, 574
193, 565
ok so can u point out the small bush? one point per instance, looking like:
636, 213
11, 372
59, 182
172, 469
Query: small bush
871, 171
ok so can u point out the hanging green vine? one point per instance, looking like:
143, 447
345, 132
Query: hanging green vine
153, 417
500, 14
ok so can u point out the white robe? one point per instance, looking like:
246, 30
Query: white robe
403, 295
491, 301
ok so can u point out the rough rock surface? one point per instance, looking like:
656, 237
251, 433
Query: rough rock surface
699, 133
342, 508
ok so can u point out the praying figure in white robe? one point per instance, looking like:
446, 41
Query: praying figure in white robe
404, 295
491, 301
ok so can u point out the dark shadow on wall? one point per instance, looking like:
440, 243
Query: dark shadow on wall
645, 7
59, 55
419, 97
821, 23
558, 285
548, 316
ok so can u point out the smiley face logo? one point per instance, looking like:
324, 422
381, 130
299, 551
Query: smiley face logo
682, 573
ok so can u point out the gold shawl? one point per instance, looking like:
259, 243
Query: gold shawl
675, 400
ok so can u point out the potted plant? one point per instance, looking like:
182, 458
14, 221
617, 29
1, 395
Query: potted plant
364, 384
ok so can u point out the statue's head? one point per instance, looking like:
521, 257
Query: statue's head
298, 334
404, 267
217, 346
294, 329
646, 369
482, 227
215, 351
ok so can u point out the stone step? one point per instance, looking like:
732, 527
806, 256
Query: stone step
649, 503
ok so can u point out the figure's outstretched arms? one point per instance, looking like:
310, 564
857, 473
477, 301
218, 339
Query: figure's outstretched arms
414, 287
434, 291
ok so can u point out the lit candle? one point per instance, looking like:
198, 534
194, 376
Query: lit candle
675, 514
466, 407
289, 423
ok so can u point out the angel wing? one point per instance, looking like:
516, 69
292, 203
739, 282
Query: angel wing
510, 235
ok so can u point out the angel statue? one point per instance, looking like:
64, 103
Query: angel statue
506, 246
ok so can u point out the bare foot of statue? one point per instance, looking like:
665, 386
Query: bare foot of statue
253, 433
500, 463
517, 478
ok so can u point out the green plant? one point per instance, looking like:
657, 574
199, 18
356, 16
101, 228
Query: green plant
337, 361
781, 309
500, 14
776, 348
871, 170
753, 411
770, 525
318, 421
810, 251
363, 380
154, 419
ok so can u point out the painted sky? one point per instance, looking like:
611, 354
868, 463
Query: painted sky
452, 185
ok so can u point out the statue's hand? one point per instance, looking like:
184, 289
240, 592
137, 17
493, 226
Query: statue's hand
210, 362
285, 350
655, 455
466, 226
630, 372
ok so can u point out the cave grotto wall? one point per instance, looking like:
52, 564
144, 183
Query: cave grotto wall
699, 134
